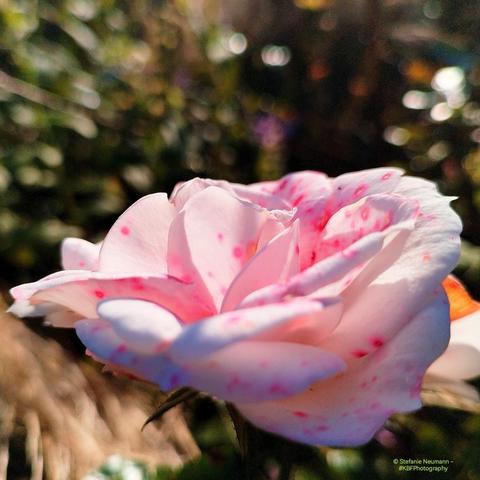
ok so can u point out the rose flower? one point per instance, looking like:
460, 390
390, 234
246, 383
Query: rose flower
314, 305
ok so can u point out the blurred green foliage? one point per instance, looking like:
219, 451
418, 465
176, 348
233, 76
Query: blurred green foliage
103, 101
433, 434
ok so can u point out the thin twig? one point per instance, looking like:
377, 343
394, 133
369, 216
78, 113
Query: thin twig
37, 95
179, 396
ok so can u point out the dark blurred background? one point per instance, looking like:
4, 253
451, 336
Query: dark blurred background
103, 101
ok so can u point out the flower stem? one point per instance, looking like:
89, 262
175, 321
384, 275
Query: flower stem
256, 447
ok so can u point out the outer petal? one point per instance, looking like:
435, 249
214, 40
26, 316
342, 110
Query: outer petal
81, 291
145, 326
107, 347
55, 315
212, 239
402, 288
466, 331
137, 242
258, 371
459, 362
275, 263
24, 309
78, 254
349, 409
244, 371
212, 334
462, 358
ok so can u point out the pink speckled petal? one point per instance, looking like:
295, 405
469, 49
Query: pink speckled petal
25, 291
375, 213
78, 254
299, 187
101, 341
404, 282
203, 338
349, 409
307, 191
322, 274
81, 291
185, 190
324, 198
144, 326
351, 187
313, 216
259, 196
308, 329
212, 238
254, 371
137, 242
107, 347
281, 257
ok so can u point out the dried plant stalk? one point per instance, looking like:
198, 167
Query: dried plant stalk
60, 418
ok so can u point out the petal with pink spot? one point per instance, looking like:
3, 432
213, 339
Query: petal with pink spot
81, 292
402, 284
349, 409
108, 348
203, 338
374, 213
264, 268
299, 187
212, 238
322, 274
137, 242
351, 187
254, 371
78, 254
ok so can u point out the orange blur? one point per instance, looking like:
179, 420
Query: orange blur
461, 303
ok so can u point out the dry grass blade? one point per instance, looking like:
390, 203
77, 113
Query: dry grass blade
445, 398
60, 418
441, 392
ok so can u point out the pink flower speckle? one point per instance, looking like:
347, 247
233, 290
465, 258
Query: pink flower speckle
238, 252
